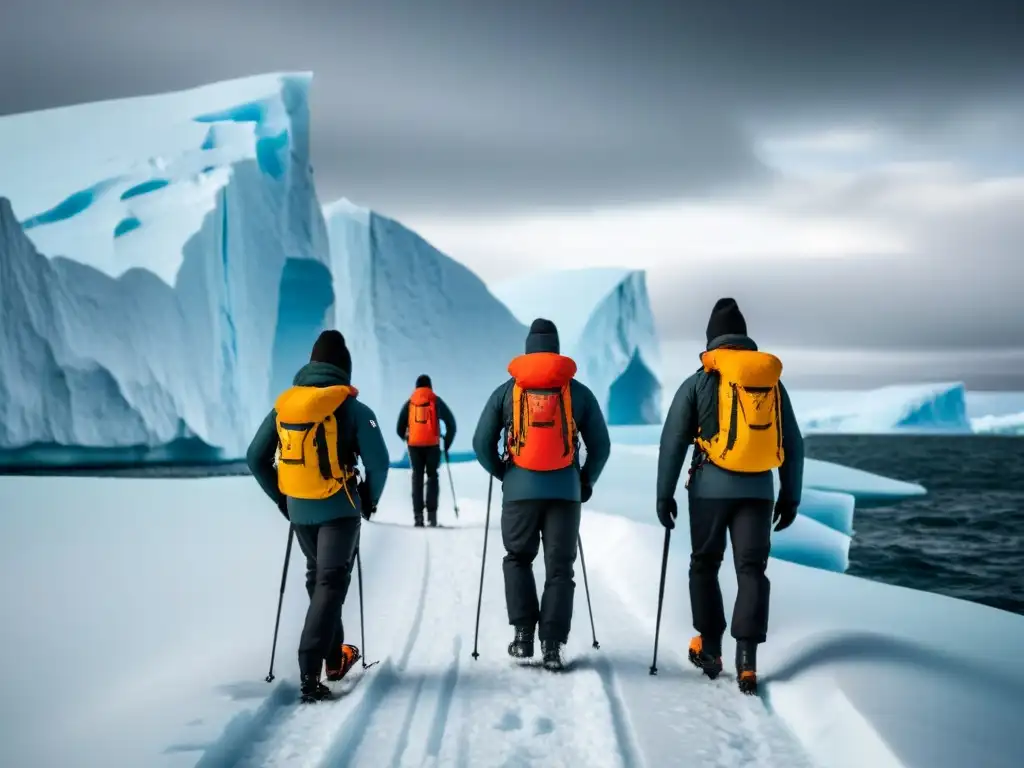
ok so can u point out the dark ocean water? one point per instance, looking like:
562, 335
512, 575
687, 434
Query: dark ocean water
965, 538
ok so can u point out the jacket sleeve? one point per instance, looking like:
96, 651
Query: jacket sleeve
260, 457
488, 432
372, 451
791, 473
444, 413
403, 421
594, 431
677, 434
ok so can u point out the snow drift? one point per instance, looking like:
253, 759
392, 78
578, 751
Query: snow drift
605, 323
407, 309
169, 271
922, 408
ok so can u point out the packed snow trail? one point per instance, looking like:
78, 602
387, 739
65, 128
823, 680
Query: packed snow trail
429, 703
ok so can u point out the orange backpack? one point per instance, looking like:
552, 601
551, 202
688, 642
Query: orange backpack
542, 435
424, 427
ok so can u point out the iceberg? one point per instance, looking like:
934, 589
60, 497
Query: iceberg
406, 309
605, 323
1002, 424
150, 315
906, 409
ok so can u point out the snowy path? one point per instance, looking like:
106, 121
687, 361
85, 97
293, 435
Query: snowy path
429, 703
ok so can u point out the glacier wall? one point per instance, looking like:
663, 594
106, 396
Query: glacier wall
605, 323
150, 315
406, 308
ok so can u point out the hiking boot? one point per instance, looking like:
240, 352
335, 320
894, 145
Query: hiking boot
521, 646
746, 666
313, 690
552, 651
418, 523
342, 662
705, 657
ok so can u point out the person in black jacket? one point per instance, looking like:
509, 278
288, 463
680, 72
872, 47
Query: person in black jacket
419, 425
725, 501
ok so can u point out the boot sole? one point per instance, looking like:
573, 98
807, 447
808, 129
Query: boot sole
710, 672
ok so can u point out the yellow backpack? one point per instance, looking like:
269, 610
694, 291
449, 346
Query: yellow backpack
749, 437
308, 465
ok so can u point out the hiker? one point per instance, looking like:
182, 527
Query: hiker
543, 411
737, 414
419, 425
316, 431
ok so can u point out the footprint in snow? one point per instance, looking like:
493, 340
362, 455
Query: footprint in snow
543, 725
510, 721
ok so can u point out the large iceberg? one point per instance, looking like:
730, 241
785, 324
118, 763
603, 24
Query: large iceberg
169, 269
605, 323
407, 309
918, 408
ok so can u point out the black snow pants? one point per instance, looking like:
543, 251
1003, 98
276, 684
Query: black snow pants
330, 550
524, 524
748, 523
425, 460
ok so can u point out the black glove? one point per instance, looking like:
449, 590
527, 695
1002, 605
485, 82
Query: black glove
785, 514
667, 512
282, 507
367, 507
586, 489
446, 449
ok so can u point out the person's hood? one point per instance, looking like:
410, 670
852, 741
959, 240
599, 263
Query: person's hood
733, 340
321, 375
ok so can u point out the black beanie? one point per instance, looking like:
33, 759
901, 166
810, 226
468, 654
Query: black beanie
423, 381
726, 319
330, 348
543, 337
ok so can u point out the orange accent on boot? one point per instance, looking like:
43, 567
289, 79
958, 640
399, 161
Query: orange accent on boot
748, 674
697, 644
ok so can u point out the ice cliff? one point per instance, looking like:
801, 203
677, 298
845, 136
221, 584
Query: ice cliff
406, 309
605, 323
169, 270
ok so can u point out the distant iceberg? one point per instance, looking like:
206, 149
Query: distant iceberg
158, 238
923, 408
605, 323
1003, 424
406, 309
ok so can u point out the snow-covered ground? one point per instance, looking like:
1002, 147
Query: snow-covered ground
154, 600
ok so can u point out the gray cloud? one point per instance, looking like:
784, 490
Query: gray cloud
432, 106
959, 287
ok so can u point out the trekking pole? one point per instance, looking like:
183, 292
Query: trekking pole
362, 626
586, 585
451, 481
661, 600
280, 600
483, 562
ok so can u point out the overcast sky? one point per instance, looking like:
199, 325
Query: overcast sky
852, 172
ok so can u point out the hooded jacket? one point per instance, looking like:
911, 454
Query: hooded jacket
355, 420
696, 395
520, 484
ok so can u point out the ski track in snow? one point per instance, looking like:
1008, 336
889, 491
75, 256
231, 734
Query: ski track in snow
430, 704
